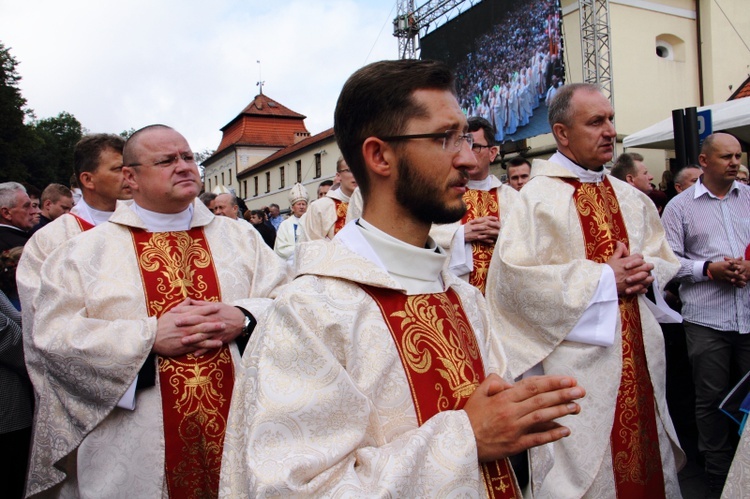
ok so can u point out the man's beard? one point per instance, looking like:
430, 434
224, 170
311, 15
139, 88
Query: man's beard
423, 200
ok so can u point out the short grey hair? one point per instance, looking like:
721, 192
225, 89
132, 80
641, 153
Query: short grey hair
8, 192
559, 108
679, 177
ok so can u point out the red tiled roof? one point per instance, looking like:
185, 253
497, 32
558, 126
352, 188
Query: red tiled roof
264, 122
262, 105
743, 91
288, 151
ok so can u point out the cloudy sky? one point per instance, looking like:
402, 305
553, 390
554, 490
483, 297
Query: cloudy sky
191, 64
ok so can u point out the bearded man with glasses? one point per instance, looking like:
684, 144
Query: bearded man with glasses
377, 372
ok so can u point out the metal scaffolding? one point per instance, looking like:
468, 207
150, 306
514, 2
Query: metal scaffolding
596, 49
410, 22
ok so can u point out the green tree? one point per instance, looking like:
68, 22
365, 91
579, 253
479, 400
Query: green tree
50, 159
15, 137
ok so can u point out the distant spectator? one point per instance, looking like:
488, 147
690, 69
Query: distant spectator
519, 171
56, 200
35, 196
256, 217
274, 216
687, 177
629, 168
16, 215
208, 199
743, 174
324, 187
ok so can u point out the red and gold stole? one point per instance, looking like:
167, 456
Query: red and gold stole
83, 224
442, 361
195, 392
636, 458
480, 204
341, 208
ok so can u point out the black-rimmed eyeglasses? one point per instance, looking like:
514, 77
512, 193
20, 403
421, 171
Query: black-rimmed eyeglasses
452, 139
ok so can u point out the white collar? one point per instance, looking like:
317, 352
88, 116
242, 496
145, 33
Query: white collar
701, 189
91, 215
164, 222
338, 194
417, 270
583, 174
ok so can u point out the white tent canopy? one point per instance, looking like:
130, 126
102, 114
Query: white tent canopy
732, 116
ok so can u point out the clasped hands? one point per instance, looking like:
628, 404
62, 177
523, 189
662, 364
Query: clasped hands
196, 327
509, 418
482, 229
632, 272
734, 271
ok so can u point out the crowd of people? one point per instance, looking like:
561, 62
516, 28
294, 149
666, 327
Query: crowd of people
513, 67
421, 329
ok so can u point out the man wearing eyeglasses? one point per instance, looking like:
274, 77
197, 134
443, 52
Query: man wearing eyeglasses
372, 374
327, 215
136, 336
471, 240
567, 288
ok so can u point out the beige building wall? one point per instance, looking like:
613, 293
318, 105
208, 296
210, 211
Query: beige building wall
726, 58
326, 150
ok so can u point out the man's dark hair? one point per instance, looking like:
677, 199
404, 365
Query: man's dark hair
32, 190
625, 165
377, 101
258, 213
478, 123
517, 161
88, 150
559, 109
274, 205
325, 183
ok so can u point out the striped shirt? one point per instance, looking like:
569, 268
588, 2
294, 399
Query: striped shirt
700, 227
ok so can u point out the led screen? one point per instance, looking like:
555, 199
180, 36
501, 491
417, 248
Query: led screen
508, 60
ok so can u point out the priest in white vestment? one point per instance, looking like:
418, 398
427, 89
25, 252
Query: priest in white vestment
290, 230
99, 351
557, 311
329, 404
471, 241
327, 215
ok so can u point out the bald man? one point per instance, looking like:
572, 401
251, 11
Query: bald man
139, 325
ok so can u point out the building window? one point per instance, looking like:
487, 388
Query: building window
230, 176
222, 179
318, 171
209, 186
256, 185
244, 187
268, 181
299, 170
216, 180
281, 176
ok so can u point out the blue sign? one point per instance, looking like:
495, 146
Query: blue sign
705, 125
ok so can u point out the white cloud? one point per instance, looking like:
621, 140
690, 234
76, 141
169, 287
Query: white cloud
190, 64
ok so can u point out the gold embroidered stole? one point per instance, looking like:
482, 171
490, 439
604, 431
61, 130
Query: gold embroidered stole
341, 208
442, 362
195, 392
636, 458
480, 204
83, 224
